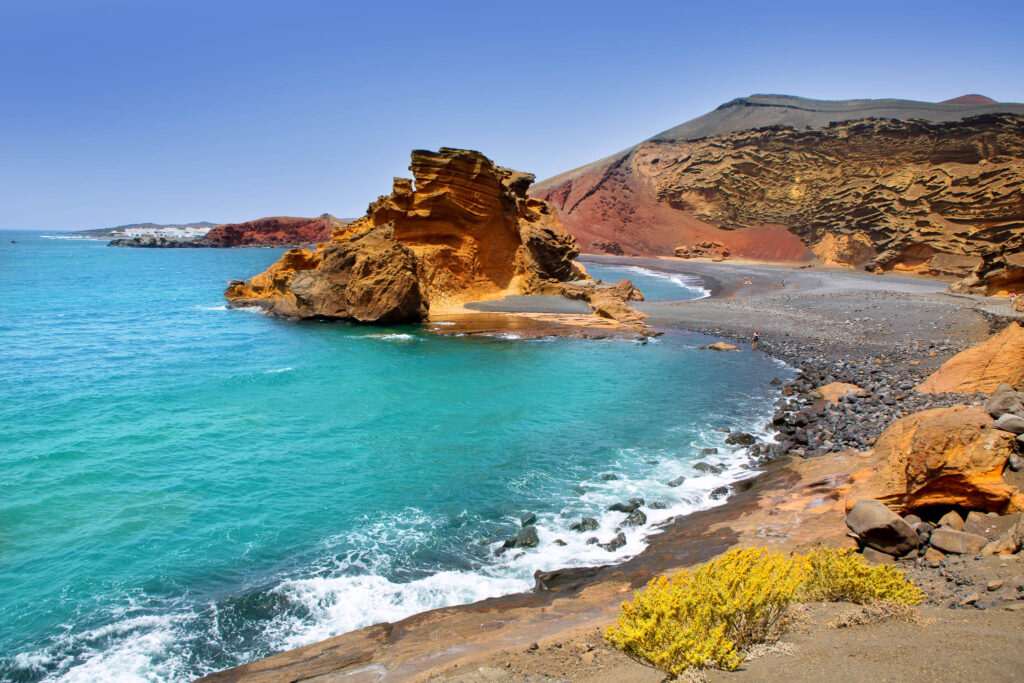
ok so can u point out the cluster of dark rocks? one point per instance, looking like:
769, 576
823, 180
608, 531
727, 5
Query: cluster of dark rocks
807, 426
156, 242
634, 517
945, 543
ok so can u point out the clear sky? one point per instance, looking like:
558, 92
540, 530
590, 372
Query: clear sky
123, 111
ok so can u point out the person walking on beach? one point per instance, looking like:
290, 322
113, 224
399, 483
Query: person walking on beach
757, 336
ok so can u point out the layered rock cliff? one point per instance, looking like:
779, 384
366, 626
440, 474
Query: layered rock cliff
890, 184
275, 231
462, 230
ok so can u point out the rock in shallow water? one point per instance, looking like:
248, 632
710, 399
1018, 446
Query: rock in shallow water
585, 524
635, 518
615, 543
629, 506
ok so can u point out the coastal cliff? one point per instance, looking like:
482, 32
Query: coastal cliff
927, 188
274, 231
462, 230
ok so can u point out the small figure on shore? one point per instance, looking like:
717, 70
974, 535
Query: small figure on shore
1013, 298
757, 337
783, 283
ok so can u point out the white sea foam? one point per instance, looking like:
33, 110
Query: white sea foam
685, 281
343, 594
258, 310
392, 336
346, 603
74, 237
128, 650
273, 372
222, 307
338, 604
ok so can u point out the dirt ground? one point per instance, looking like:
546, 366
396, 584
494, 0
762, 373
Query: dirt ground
946, 645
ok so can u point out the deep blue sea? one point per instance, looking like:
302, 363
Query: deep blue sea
184, 487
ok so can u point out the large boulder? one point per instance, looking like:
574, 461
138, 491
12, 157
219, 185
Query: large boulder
463, 231
1010, 542
1004, 400
983, 367
1010, 423
949, 457
832, 392
880, 528
957, 542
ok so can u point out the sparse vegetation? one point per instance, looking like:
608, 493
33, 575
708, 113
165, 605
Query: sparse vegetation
713, 615
876, 613
843, 575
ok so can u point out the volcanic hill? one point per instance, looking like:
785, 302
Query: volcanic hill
890, 184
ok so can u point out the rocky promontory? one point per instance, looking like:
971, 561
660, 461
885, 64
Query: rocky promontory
462, 230
275, 231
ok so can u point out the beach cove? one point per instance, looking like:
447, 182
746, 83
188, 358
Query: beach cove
904, 328
191, 487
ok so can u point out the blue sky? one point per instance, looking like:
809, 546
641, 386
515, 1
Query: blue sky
120, 111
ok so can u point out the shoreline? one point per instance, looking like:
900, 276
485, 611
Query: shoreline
584, 598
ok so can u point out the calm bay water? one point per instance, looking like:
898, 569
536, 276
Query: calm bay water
185, 487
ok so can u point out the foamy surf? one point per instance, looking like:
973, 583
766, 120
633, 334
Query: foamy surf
689, 282
391, 336
336, 595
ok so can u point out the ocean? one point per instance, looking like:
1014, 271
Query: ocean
185, 487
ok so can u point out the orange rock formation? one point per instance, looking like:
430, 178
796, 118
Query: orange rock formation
465, 231
983, 367
944, 457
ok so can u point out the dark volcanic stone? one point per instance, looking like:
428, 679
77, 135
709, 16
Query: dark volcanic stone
615, 543
585, 524
629, 506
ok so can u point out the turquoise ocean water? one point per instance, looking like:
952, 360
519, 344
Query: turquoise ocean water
185, 487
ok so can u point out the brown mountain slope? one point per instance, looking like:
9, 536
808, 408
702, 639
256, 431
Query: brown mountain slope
898, 184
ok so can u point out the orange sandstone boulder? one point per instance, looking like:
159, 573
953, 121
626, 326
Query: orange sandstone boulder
830, 393
463, 230
944, 457
983, 367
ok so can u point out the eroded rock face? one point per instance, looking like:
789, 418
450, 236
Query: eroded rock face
983, 367
950, 457
895, 185
276, 231
462, 230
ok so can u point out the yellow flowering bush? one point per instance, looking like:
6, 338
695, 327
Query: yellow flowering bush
706, 616
836, 575
710, 615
